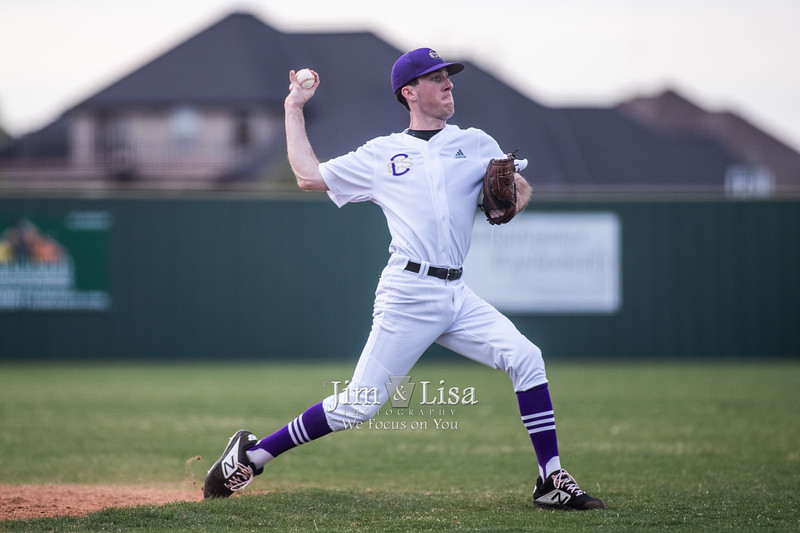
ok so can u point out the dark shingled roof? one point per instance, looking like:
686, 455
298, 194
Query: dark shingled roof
672, 113
620, 151
232, 62
43, 146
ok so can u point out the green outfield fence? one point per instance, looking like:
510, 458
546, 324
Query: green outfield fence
293, 277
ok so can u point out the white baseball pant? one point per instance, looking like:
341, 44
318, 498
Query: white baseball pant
411, 312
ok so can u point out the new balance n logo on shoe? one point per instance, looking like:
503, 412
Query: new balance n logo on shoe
230, 462
460, 154
557, 497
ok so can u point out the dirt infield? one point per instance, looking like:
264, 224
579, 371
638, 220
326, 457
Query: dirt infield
18, 502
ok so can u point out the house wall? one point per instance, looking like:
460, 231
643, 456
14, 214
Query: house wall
208, 278
178, 143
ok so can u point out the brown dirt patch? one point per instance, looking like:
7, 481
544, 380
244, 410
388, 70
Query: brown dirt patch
19, 502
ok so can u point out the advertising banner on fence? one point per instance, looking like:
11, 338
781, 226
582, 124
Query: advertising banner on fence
55, 262
548, 263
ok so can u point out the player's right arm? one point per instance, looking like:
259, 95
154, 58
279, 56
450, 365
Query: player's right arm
304, 163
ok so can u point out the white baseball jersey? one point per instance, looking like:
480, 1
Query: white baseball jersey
428, 190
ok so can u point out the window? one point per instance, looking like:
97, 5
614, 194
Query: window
185, 126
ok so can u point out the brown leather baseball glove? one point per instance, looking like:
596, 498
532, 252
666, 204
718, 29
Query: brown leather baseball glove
499, 195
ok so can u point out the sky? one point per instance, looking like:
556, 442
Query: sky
724, 55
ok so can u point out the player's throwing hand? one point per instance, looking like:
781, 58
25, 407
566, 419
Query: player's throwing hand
298, 95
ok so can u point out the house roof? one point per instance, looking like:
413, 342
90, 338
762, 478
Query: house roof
672, 113
231, 62
618, 150
43, 146
240, 61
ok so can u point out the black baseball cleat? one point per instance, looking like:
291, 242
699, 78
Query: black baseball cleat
233, 471
561, 491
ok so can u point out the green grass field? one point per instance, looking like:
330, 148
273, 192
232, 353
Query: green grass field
668, 446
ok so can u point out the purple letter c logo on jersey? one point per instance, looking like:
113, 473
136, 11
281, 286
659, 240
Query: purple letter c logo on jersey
400, 164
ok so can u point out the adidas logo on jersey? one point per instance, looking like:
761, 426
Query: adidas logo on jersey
460, 154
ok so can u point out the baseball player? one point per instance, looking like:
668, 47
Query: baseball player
427, 180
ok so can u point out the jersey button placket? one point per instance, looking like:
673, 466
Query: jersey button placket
436, 176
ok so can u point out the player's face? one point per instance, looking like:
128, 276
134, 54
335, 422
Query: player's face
435, 92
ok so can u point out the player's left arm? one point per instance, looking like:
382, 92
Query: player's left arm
523, 196
524, 191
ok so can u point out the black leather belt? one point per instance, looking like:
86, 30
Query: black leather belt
447, 274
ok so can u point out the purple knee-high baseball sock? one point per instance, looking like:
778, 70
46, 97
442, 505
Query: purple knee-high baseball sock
536, 410
310, 425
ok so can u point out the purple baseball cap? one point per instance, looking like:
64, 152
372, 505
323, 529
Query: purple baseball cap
418, 62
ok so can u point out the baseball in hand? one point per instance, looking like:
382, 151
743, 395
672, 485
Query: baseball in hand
305, 78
